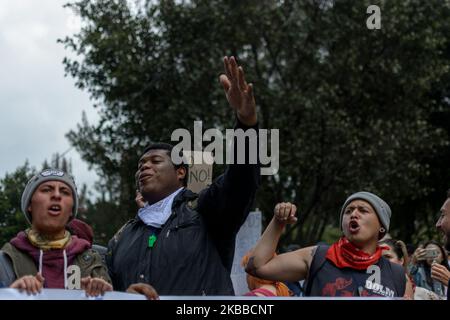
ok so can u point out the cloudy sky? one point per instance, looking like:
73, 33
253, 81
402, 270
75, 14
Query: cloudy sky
38, 105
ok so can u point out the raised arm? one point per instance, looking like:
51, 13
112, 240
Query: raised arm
226, 203
291, 266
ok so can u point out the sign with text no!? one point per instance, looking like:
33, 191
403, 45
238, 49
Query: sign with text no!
200, 172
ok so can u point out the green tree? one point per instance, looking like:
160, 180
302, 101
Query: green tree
354, 106
12, 219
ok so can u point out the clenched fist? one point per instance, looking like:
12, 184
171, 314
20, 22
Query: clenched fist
285, 212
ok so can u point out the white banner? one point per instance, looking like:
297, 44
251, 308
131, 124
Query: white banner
61, 294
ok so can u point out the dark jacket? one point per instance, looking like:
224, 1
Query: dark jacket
193, 252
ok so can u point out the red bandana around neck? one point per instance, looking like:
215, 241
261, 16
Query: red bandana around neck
343, 254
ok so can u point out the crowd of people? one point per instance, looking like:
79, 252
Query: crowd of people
182, 243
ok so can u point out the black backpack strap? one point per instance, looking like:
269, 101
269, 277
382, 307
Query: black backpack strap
316, 264
7, 275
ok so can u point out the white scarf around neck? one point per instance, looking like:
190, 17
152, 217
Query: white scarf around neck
156, 215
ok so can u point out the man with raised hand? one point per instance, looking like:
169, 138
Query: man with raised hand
180, 242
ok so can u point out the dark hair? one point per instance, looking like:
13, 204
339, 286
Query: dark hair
425, 265
443, 252
410, 248
399, 248
168, 147
448, 193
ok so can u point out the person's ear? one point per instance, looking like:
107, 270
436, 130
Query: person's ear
181, 173
29, 212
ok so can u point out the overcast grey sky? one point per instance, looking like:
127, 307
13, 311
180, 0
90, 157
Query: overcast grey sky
38, 105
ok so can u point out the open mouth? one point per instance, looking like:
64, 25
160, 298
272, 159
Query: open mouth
55, 209
353, 227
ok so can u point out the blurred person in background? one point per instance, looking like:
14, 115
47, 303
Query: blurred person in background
431, 254
443, 225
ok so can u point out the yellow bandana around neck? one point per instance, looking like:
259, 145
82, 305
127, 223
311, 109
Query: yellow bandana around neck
41, 242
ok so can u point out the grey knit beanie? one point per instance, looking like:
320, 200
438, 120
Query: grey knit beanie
381, 208
48, 175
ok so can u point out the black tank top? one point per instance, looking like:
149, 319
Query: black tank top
379, 280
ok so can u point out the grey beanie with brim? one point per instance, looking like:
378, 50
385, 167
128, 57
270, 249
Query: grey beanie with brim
37, 180
381, 208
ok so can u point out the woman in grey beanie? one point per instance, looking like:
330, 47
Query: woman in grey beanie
352, 266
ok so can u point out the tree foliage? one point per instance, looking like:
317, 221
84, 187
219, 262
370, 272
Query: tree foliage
12, 219
356, 108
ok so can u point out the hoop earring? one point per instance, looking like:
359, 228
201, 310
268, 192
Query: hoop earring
382, 230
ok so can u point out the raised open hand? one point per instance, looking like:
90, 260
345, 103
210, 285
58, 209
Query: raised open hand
239, 94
